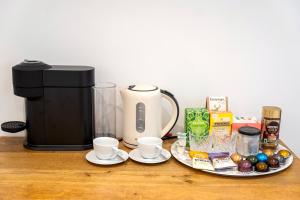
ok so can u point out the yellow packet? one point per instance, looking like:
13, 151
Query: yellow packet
198, 154
220, 123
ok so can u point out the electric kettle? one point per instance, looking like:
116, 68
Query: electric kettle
142, 113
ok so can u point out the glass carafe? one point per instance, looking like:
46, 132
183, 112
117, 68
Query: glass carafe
105, 109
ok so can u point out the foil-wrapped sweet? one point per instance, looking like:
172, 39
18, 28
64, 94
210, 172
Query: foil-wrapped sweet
235, 157
280, 159
261, 167
284, 153
273, 162
261, 157
252, 159
268, 152
245, 166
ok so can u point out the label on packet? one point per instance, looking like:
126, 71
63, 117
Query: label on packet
220, 163
199, 163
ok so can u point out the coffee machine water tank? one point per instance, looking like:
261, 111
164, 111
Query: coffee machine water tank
58, 105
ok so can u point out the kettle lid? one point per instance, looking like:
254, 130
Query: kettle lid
142, 88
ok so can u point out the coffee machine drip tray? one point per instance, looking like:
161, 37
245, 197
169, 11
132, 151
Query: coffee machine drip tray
57, 147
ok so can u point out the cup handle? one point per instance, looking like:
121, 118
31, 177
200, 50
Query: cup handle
161, 151
159, 147
118, 152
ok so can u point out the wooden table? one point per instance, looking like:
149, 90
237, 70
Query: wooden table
26, 174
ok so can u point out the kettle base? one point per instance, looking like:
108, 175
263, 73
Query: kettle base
57, 147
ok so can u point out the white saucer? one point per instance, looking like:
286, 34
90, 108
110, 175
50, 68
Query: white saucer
136, 156
91, 157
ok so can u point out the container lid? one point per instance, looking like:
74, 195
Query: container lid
271, 112
248, 130
142, 88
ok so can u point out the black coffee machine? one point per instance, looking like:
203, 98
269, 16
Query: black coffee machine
58, 105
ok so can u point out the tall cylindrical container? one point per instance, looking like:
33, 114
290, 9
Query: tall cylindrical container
270, 126
105, 110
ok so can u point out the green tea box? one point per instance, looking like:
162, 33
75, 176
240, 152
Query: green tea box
196, 122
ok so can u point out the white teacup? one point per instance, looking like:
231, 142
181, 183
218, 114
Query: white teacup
106, 148
150, 147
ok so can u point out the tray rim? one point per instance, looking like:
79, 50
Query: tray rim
223, 173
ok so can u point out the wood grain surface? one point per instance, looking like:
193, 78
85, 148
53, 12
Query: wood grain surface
26, 174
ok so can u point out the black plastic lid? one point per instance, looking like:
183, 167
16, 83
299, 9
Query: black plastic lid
248, 130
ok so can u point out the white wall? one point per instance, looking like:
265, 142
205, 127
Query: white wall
247, 50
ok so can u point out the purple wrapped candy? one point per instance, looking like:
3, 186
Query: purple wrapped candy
279, 158
245, 166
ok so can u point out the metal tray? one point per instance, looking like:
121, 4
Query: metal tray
186, 160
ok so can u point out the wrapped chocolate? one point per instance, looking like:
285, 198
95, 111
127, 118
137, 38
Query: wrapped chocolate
284, 153
261, 167
280, 159
245, 166
273, 162
252, 159
261, 157
268, 152
235, 157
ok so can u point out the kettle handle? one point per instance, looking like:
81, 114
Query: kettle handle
175, 111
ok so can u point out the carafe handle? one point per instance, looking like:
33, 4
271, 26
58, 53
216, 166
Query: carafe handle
175, 111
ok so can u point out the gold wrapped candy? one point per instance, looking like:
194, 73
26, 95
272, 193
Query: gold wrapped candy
268, 152
284, 153
235, 157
